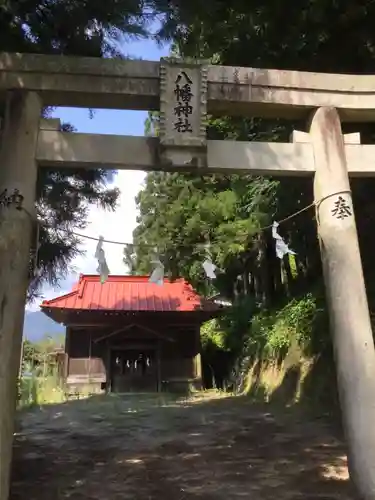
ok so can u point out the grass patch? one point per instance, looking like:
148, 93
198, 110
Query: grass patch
34, 390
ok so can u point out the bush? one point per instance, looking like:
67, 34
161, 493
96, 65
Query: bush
34, 390
246, 333
212, 335
302, 323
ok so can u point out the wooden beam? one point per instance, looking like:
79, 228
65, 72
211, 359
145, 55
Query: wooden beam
50, 124
71, 150
303, 137
129, 84
128, 328
59, 149
83, 82
114, 333
288, 94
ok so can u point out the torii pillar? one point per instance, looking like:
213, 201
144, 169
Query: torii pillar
18, 175
346, 298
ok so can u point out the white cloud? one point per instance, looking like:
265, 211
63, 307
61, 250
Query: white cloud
116, 226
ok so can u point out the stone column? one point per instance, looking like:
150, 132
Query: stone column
346, 298
18, 171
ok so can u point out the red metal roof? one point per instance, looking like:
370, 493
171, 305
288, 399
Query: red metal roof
130, 293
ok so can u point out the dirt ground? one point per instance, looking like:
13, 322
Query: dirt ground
151, 448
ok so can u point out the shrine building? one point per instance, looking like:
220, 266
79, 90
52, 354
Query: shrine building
129, 335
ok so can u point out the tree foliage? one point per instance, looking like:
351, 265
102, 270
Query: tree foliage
323, 35
71, 27
178, 212
75, 28
36, 354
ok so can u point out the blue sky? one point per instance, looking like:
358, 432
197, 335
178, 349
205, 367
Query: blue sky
117, 225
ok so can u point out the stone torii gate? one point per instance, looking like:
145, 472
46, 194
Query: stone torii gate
184, 92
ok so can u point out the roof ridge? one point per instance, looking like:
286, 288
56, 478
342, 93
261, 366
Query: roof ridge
64, 296
129, 294
127, 277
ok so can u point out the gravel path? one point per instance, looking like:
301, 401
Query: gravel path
210, 447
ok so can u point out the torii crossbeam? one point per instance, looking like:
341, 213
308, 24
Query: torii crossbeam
185, 92
118, 84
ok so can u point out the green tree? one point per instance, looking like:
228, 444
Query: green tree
30, 354
324, 36
178, 212
71, 27
79, 28
182, 213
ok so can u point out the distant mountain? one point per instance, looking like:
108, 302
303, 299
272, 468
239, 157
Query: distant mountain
37, 325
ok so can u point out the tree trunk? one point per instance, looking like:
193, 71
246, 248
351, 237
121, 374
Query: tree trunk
264, 272
289, 276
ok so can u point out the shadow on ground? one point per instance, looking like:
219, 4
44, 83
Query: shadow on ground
150, 448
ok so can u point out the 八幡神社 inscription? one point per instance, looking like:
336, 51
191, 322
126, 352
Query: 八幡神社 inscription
183, 102
183, 109
341, 209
